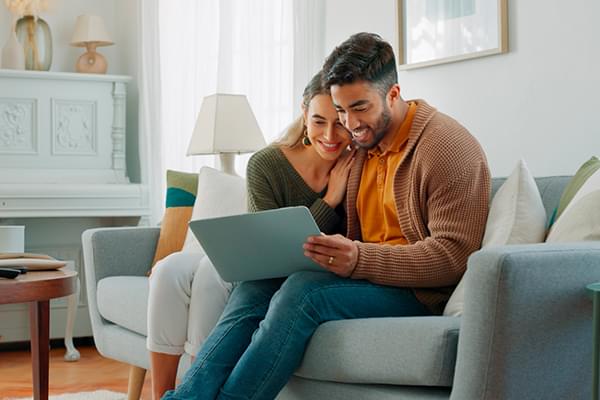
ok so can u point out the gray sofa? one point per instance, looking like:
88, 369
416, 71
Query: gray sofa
526, 331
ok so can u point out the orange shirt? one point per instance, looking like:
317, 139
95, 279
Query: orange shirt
376, 203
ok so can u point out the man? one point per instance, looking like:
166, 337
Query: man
417, 198
417, 204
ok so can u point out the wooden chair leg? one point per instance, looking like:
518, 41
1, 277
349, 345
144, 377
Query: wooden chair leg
136, 382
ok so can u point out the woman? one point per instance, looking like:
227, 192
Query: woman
308, 166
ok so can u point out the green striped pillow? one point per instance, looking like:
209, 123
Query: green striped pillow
581, 176
180, 199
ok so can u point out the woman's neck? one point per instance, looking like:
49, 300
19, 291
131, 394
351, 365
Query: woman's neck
309, 164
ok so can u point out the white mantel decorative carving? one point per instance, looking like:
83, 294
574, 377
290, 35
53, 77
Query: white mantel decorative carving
17, 125
74, 127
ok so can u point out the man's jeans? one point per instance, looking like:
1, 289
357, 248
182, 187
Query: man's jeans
266, 325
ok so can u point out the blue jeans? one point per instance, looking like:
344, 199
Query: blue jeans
266, 325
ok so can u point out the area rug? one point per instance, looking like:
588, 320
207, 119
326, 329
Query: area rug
95, 395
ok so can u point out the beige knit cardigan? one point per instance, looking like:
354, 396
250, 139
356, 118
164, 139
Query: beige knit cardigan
442, 189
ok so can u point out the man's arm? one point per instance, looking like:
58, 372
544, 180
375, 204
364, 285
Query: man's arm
456, 213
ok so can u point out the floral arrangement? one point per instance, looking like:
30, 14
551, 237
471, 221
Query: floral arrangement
20, 8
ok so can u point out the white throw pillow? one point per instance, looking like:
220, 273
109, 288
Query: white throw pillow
517, 216
581, 219
219, 195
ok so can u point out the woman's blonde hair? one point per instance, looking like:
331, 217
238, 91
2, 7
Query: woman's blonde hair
294, 132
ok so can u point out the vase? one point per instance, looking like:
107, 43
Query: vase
13, 55
35, 37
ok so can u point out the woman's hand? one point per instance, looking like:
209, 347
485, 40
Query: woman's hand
338, 179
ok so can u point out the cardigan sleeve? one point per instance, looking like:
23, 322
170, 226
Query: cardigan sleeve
456, 217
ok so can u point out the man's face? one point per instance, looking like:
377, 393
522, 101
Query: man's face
363, 112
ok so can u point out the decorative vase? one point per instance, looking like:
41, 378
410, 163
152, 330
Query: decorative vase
34, 34
13, 55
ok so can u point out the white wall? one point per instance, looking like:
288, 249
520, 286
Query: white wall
61, 19
539, 101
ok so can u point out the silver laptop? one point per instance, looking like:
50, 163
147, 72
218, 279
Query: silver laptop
261, 245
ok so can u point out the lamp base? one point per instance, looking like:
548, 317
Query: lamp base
228, 163
91, 62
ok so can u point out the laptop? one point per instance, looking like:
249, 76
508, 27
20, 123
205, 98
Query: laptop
261, 245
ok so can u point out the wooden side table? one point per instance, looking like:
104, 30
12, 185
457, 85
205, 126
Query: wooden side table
37, 288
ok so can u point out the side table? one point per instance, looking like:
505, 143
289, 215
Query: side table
37, 288
594, 290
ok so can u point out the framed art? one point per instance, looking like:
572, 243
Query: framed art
441, 31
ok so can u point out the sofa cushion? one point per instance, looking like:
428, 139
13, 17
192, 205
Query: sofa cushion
397, 351
180, 198
579, 179
580, 219
123, 300
220, 195
517, 216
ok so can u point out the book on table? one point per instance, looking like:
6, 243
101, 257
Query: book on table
31, 261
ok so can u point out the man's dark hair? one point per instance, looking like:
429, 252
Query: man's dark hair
363, 56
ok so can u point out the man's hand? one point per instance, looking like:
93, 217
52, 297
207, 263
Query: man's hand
335, 253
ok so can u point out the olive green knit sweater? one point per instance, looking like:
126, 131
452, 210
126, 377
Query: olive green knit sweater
274, 183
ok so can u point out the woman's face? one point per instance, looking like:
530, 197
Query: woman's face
328, 136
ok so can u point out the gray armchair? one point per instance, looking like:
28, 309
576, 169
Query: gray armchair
525, 332
116, 261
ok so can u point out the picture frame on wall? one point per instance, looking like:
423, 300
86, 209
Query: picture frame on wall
432, 32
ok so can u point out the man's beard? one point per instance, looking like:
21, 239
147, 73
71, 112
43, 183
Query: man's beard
380, 129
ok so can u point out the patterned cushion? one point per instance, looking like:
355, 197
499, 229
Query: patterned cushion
180, 199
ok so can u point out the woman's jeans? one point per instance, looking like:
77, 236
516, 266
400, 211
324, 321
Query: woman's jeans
266, 325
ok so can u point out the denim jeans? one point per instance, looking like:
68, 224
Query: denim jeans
266, 325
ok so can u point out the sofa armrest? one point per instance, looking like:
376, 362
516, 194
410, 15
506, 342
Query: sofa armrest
113, 252
526, 328
119, 251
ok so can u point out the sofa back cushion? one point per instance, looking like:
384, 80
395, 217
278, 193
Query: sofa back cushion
517, 216
219, 195
550, 187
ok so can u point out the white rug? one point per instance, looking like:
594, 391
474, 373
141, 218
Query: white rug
96, 395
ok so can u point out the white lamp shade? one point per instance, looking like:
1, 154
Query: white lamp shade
225, 124
90, 28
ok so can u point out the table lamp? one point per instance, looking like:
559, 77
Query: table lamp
226, 126
90, 33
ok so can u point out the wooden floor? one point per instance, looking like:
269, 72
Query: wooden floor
91, 372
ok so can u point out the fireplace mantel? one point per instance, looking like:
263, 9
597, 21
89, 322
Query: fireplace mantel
63, 169
62, 146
